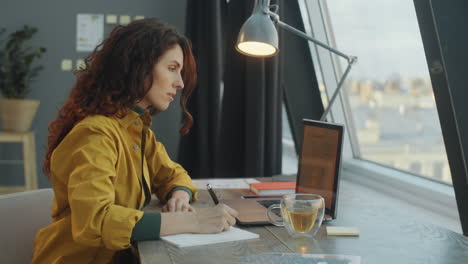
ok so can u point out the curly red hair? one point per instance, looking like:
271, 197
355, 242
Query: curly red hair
118, 73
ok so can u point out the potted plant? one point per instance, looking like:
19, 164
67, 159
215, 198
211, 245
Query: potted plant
16, 72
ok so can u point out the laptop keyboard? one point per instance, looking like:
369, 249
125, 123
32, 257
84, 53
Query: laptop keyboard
267, 203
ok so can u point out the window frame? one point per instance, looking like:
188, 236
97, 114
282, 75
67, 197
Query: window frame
329, 71
432, 195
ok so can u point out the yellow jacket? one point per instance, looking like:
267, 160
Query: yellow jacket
96, 177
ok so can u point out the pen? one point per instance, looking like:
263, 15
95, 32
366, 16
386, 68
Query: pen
212, 194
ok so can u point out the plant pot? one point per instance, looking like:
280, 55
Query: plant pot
17, 114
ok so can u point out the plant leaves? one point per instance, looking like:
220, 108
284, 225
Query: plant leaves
16, 71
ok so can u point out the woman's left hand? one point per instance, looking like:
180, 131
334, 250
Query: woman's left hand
179, 202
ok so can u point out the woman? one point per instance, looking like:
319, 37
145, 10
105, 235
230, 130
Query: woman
104, 162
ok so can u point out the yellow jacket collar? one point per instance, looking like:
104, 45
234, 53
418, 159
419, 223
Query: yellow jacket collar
135, 113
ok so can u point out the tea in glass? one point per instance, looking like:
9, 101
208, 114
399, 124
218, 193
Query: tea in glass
302, 214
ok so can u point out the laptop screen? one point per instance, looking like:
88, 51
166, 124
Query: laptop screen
319, 162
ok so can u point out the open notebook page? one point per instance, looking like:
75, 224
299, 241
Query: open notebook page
189, 240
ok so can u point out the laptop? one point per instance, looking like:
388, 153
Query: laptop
318, 173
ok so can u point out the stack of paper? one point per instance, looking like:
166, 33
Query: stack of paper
225, 183
299, 258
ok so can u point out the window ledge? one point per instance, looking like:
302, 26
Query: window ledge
436, 197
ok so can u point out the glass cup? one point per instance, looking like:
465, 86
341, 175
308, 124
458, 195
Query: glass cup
301, 214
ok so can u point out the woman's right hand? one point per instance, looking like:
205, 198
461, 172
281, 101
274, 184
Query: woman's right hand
214, 219
202, 220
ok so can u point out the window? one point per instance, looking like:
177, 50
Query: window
438, 170
289, 159
389, 104
415, 167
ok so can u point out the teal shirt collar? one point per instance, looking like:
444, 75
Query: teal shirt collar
138, 109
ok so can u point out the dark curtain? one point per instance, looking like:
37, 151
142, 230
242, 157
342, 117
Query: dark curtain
204, 29
250, 136
245, 140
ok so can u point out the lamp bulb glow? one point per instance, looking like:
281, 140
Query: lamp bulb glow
258, 49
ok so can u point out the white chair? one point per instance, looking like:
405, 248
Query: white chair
22, 215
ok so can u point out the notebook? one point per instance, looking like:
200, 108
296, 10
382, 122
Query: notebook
190, 240
319, 171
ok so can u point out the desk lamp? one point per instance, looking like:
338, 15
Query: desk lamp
258, 38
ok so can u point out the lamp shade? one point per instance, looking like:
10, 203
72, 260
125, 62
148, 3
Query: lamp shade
258, 36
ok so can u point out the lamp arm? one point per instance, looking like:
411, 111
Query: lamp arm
337, 90
351, 59
299, 33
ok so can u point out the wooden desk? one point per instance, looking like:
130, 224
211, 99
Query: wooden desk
29, 155
387, 235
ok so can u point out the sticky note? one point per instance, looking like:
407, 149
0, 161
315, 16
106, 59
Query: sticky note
111, 19
342, 231
138, 17
66, 65
80, 64
124, 20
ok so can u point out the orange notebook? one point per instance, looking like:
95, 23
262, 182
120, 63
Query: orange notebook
273, 188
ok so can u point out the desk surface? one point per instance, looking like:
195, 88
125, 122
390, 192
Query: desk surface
387, 235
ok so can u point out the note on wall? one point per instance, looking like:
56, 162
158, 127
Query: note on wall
89, 31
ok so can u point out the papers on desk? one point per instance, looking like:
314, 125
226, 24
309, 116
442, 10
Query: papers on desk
295, 258
225, 183
189, 240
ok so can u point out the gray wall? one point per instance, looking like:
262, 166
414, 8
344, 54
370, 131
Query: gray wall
56, 21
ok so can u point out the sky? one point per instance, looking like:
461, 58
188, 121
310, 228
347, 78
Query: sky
383, 34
